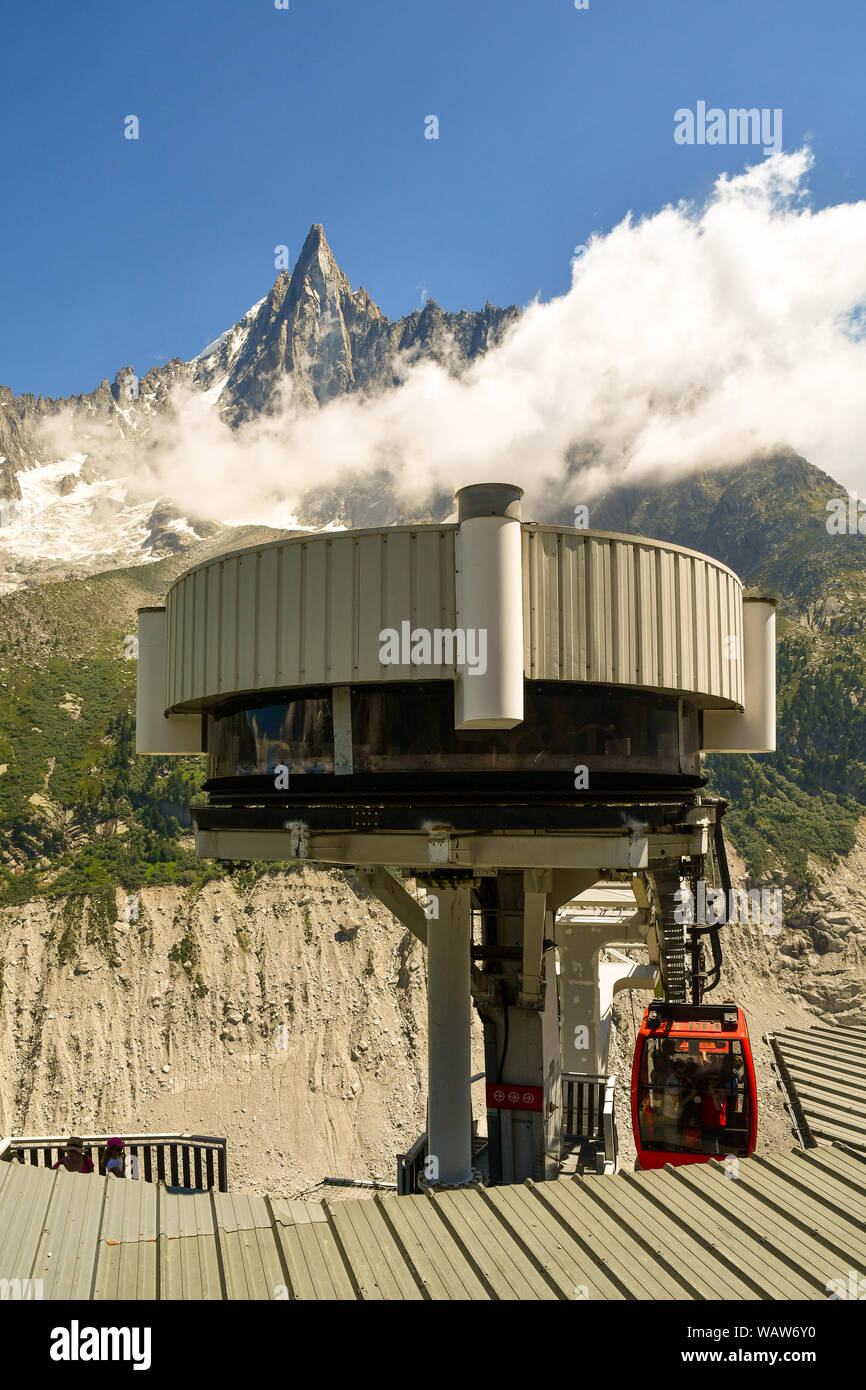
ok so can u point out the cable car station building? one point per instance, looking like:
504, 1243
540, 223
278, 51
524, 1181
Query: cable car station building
511, 713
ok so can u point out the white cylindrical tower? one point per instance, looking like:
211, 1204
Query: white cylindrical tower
488, 551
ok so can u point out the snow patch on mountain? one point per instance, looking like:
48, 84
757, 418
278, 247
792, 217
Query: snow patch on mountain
212, 395
65, 517
233, 337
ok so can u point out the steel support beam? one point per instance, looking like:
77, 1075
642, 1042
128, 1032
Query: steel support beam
536, 886
616, 850
405, 908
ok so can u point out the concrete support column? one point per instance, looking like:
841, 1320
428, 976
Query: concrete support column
583, 1049
449, 1012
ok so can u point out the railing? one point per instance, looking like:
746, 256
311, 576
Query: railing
588, 1112
609, 1124
410, 1167
196, 1162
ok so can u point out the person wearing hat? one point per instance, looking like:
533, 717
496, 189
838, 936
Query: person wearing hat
114, 1159
73, 1158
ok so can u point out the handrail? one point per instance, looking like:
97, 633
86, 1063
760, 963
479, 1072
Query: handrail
410, 1164
589, 1112
585, 1076
609, 1122
35, 1141
196, 1162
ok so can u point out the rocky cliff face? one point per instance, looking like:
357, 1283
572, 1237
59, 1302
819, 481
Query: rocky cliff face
289, 1016
819, 960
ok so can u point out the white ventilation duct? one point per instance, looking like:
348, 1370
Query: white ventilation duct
154, 731
488, 552
753, 730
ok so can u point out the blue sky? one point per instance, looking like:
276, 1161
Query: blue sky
257, 122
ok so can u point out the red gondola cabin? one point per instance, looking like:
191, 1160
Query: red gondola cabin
693, 1085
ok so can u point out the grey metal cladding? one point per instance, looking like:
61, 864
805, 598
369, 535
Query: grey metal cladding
827, 1066
626, 611
598, 608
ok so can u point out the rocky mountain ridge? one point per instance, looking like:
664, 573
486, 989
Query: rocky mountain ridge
311, 334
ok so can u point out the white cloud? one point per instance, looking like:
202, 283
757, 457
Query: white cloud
692, 338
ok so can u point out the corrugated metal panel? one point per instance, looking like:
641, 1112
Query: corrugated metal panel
128, 1266
313, 1259
306, 612
25, 1196
827, 1066
614, 610
782, 1228
684, 622
598, 608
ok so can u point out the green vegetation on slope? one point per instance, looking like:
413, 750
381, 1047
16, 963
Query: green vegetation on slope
78, 809
807, 798
80, 812
772, 822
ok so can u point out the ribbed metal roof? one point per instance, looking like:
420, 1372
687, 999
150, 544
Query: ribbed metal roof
826, 1067
781, 1229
